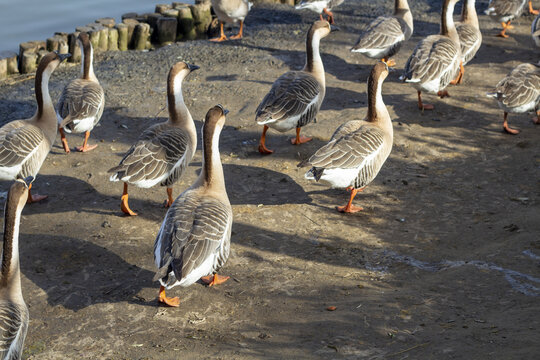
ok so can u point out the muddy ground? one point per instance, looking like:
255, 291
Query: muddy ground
443, 263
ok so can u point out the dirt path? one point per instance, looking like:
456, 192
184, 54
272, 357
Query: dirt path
443, 263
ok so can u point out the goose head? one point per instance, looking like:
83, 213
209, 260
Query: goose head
321, 28
50, 62
18, 193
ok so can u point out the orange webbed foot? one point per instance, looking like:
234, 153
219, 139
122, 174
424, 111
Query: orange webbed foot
35, 198
264, 150
389, 62
236, 37
86, 148
509, 130
349, 209
124, 206
173, 302
426, 107
215, 279
219, 39
300, 140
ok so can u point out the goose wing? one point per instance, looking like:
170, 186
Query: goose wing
293, 94
195, 229
154, 155
81, 99
505, 7
382, 33
520, 87
431, 58
19, 140
13, 327
470, 39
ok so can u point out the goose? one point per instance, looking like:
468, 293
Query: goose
470, 37
435, 60
358, 148
385, 35
519, 92
164, 150
296, 96
13, 311
230, 12
504, 11
195, 237
24, 144
535, 30
320, 6
81, 104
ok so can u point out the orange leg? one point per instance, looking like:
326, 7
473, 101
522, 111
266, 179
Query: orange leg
215, 279
442, 94
320, 16
388, 62
124, 205
262, 147
459, 77
330, 15
174, 302
239, 35
507, 128
531, 10
85, 147
169, 200
421, 105
505, 26
222, 36
64, 140
350, 208
300, 139
34, 198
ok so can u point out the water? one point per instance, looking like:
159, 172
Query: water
25, 20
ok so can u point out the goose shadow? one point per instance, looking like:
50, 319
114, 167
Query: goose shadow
75, 273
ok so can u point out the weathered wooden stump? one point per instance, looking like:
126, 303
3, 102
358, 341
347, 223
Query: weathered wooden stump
131, 24
113, 39
28, 62
186, 24
29, 47
103, 44
107, 22
58, 43
202, 15
141, 35
74, 48
162, 7
123, 39
3, 68
10, 58
166, 30
152, 20
130, 15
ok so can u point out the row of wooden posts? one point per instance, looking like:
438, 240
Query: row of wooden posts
167, 24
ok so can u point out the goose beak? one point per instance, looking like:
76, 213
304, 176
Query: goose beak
63, 56
334, 28
225, 111
192, 67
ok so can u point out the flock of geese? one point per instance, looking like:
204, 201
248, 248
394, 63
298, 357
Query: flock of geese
194, 239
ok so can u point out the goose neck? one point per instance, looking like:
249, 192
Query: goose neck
448, 28
87, 62
10, 270
178, 111
314, 64
468, 13
212, 170
43, 98
377, 111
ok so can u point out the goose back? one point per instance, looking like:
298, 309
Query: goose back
519, 91
505, 10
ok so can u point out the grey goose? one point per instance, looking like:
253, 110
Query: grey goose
81, 104
230, 12
358, 149
24, 144
504, 11
296, 96
384, 36
470, 36
164, 150
320, 6
194, 239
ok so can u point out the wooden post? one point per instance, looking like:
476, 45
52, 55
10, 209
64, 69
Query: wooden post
113, 39
141, 36
123, 39
74, 48
202, 16
166, 30
186, 25
131, 24
11, 61
160, 8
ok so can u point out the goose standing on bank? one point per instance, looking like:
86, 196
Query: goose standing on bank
519, 92
358, 149
164, 150
195, 237
230, 12
24, 144
81, 104
535, 30
470, 37
504, 11
320, 6
385, 35
435, 61
13, 310
296, 96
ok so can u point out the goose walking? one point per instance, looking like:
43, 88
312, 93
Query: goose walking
231, 12
535, 31
163, 151
358, 149
504, 11
81, 104
470, 37
383, 38
24, 144
519, 92
320, 6
435, 61
296, 96
13, 310
194, 239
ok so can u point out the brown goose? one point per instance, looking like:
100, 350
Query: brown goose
504, 11
230, 12
164, 150
435, 61
296, 96
13, 310
470, 37
358, 149
195, 237
385, 35
81, 104
24, 144
519, 92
